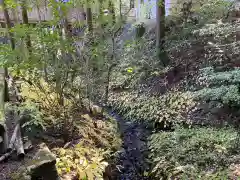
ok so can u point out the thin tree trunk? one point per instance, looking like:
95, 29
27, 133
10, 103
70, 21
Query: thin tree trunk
6, 89
38, 12
160, 33
112, 11
39, 21
101, 13
149, 10
8, 23
89, 17
15, 16
160, 23
107, 83
120, 8
25, 21
67, 28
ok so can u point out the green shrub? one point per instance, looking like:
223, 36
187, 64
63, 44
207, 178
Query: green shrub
192, 152
84, 162
168, 108
221, 87
95, 151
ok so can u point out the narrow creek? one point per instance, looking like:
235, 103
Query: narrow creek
133, 155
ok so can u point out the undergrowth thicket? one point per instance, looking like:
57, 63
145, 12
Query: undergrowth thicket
202, 153
59, 80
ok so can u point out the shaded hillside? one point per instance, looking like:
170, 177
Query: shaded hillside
196, 96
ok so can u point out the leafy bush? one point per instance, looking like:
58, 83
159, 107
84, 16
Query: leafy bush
85, 162
89, 158
168, 108
99, 133
32, 119
201, 151
207, 10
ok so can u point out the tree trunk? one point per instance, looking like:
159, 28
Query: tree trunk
120, 9
6, 90
160, 23
112, 11
25, 21
8, 23
107, 83
149, 10
160, 34
15, 16
38, 12
101, 13
89, 17
3, 129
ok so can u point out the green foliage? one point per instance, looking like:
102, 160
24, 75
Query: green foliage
32, 121
206, 10
85, 162
197, 152
219, 86
88, 159
168, 108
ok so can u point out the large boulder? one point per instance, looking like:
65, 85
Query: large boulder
41, 166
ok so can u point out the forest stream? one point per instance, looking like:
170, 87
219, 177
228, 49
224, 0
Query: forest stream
132, 158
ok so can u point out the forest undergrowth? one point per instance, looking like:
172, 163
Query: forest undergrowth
176, 111
191, 105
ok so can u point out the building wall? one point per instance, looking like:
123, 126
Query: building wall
45, 15
150, 6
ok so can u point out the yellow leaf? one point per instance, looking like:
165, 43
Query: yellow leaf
68, 169
130, 70
94, 166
